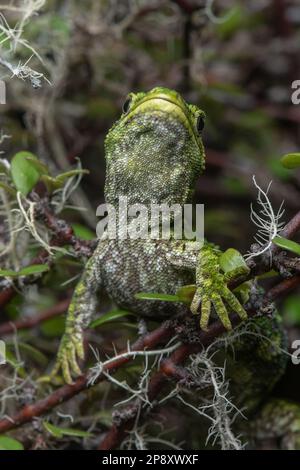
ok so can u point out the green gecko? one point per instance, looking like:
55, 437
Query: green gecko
154, 155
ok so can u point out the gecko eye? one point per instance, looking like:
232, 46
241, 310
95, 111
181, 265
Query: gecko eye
126, 105
200, 124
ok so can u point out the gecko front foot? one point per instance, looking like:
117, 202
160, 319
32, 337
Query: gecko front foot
212, 289
70, 350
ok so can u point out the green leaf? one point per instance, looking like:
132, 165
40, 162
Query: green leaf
291, 309
58, 181
34, 269
7, 188
291, 160
34, 353
13, 361
243, 291
69, 174
53, 430
109, 316
83, 232
267, 275
232, 259
186, 293
8, 443
38, 165
287, 244
8, 273
23, 172
156, 296
60, 432
53, 327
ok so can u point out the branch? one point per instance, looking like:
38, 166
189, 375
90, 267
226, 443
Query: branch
25, 323
169, 367
63, 234
29, 412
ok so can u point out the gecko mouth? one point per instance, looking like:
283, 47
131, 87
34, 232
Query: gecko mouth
162, 103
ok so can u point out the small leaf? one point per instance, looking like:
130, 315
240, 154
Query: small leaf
34, 269
38, 165
75, 432
7, 188
53, 327
186, 293
232, 259
109, 316
55, 431
243, 291
8, 443
291, 309
156, 296
268, 274
287, 244
23, 172
57, 182
69, 174
291, 160
34, 353
15, 363
50, 182
8, 273
60, 432
83, 232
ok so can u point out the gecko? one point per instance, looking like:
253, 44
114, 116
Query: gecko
154, 155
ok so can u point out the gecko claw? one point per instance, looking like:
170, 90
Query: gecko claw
212, 290
71, 348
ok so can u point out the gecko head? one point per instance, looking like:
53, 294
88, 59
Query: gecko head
154, 152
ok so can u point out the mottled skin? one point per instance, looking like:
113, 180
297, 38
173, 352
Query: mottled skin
154, 154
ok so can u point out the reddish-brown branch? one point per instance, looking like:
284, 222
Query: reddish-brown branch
117, 433
283, 288
26, 414
30, 322
169, 367
63, 234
